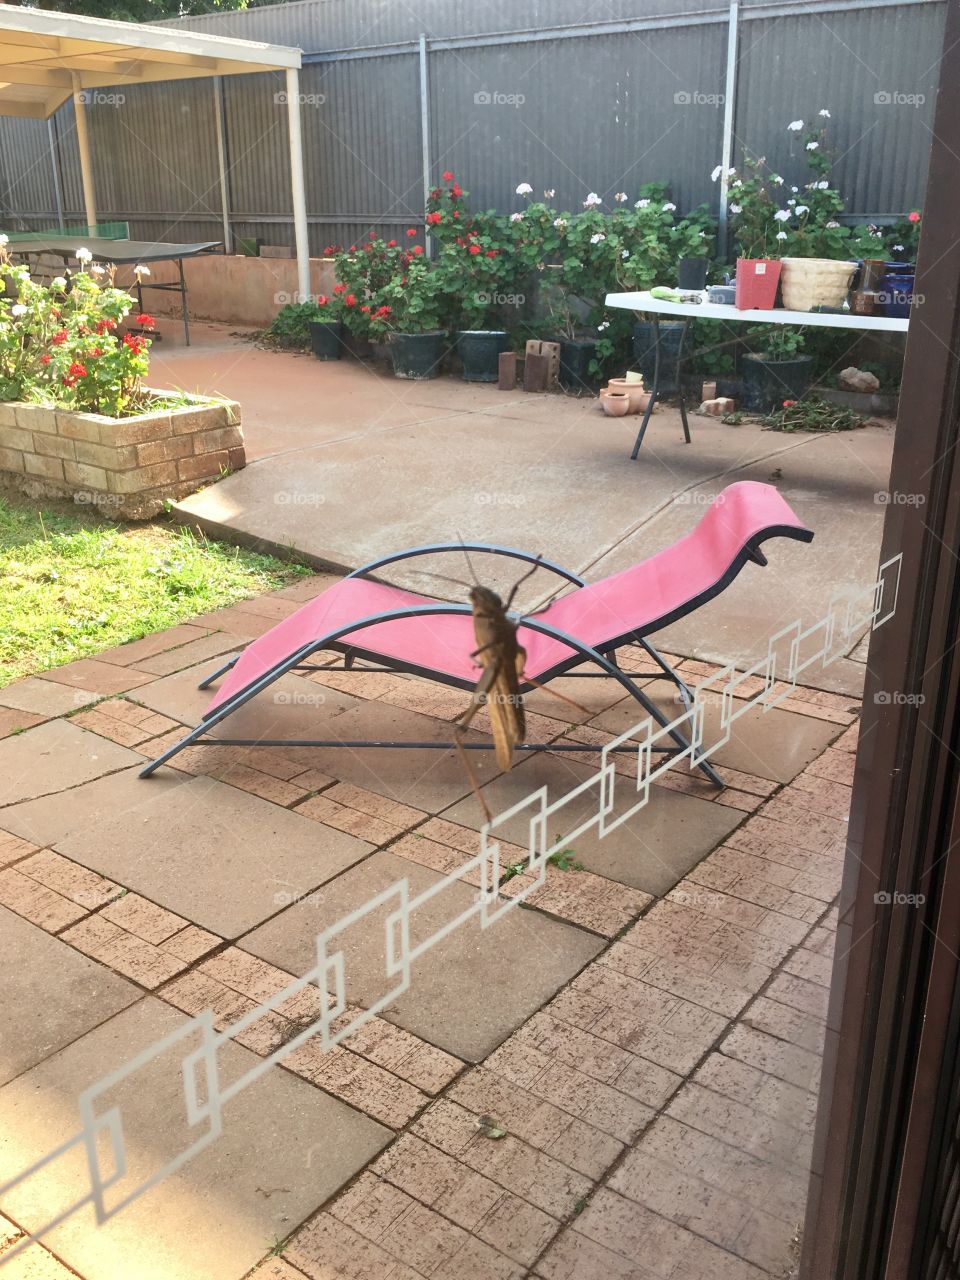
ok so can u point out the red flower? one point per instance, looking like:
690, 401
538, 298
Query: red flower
45, 359
96, 352
492, 253
391, 244
448, 175
135, 343
77, 370
418, 249
349, 300
456, 191
59, 338
339, 288
433, 219
411, 231
146, 321
365, 310
322, 300
913, 217
104, 326
456, 213
371, 235
68, 382
383, 311
474, 249
353, 248
788, 404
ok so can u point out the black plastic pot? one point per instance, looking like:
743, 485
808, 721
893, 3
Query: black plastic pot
357, 347
575, 356
644, 353
418, 355
480, 351
326, 338
767, 383
692, 273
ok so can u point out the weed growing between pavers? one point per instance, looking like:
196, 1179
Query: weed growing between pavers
73, 584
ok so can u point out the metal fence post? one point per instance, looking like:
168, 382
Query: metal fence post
729, 115
55, 169
425, 130
220, 118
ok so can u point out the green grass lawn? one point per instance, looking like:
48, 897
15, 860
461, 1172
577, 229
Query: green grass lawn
72, 584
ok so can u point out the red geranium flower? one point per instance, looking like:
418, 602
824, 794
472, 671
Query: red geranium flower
492, 253
135, 343
434, 218
913, 217
456, 191
68, 382
456, 213
474, 249
59, 338
448, 175
339, 288
77, 370
322, 300
349, 300
391, 244
788, 404
45, 359
146, 321
417, 250
411, 231
96, 352
365, 310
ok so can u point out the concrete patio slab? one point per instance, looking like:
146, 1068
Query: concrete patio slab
53, 756
468, 992
218, 856
294, 707
219, 1214
773, 744
61, 993
44, 697
651, 851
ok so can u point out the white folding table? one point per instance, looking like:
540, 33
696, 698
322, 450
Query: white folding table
643, 304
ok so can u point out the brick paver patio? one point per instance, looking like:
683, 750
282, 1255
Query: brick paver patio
643, 1034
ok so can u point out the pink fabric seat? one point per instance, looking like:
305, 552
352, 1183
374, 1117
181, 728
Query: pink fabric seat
637, 601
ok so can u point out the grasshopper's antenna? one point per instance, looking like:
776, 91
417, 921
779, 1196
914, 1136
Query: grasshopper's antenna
463, 547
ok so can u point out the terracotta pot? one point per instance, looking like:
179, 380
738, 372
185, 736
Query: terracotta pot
756, 283
863, 303
638, 397
808, 283
614, 403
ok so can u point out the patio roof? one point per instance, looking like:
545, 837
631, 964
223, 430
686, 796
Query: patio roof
47, 58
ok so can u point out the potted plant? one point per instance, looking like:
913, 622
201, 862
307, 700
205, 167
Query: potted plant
325, 322
365, 270
413, 310
477, 270
692, 242
817, 269
778, 371
759, 232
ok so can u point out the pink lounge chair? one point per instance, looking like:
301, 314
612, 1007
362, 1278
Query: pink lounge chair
402, 631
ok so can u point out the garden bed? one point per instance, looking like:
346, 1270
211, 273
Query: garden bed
128, 467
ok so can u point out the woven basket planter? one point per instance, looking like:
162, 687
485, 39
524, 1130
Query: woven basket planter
808, 283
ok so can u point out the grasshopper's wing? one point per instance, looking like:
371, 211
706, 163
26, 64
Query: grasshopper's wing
505, 706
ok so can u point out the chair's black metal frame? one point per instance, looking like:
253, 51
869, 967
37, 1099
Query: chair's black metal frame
603, 656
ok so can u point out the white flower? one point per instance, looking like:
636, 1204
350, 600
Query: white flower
603, 325
18, 309
716, 173
734, 208
4, 240
823, 186
524, 189
548, 195
59, 282
795, 125
141, 270
625, 253
782, 215
83, 255
802, 208
781, 235
560, 223
641, 204
897, 248
831, 225
824, 112
669, 207
791, 201
794, 190
592, 200
97, 270
776, 179
620, 197
597, 238
813, 146
516, 217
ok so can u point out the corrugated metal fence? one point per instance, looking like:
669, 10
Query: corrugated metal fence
562, 94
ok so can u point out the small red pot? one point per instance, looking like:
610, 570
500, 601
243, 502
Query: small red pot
757, 280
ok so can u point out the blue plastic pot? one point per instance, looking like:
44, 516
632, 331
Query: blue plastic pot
896, 294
